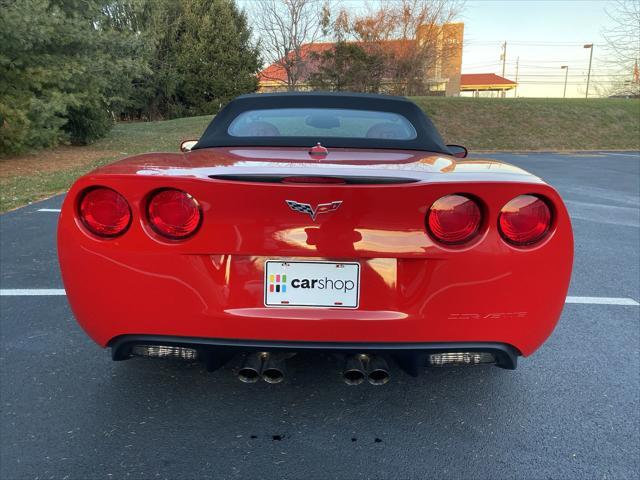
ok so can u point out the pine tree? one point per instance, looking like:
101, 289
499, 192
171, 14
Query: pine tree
63, 69
215, 56
70, 67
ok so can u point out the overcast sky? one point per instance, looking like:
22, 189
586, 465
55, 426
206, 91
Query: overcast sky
544, 34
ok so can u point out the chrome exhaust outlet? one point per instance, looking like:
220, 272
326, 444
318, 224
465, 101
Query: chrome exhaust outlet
378, 371
273, 369
251, 368
354, 371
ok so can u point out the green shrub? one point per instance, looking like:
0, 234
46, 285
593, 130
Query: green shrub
87, 123
33, 124
14, 128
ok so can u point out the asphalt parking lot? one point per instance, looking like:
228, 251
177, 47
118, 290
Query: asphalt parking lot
569, 411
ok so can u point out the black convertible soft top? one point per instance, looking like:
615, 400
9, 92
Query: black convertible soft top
427, 137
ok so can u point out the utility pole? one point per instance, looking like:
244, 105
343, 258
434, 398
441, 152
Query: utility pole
566, 74
503, 57
515, 91
590, 47
504, 63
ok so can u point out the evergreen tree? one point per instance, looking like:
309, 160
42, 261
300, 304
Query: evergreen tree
215, 57
68, 68
63, 67
203, 56
33, 73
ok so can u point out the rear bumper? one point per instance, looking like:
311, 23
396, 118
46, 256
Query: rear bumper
402, 301
411, 357
412, 290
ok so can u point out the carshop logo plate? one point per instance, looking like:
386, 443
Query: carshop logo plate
300, 283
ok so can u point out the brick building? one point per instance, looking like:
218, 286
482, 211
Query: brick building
443, 76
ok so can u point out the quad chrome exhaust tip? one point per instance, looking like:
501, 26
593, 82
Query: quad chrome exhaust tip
378, 371
273, 369
354, 372
251, 369
361, 367
262, 365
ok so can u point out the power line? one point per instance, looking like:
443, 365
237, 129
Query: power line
530, 82
527, 44
528, 67
574, 75
601, 69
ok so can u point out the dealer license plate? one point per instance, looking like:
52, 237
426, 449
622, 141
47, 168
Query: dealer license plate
311, 284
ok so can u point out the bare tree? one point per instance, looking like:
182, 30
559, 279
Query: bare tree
284, 26
623, 45
623, 38
410, 34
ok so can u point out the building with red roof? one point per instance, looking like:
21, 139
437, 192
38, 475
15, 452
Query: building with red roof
443, 78
485, 82
274, 77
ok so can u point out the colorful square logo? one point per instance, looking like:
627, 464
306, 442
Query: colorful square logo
277, 283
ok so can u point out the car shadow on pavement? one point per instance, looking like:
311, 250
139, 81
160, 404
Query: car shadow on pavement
313, 398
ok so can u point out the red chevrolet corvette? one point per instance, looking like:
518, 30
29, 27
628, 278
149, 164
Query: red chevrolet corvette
332, 222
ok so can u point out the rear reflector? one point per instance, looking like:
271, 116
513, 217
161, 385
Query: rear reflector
104, 212
454, 219
174, 214
525, 220
165, 351
461, 358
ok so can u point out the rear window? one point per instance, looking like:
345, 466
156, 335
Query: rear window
322, 122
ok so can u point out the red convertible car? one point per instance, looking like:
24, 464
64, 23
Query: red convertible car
316, 222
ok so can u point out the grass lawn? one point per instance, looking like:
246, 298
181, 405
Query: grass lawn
480, 124
536, 123
38, 175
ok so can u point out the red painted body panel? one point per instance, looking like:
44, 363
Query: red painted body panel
412, 289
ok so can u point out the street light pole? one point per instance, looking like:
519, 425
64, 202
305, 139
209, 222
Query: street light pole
504, 64
515, 91
590, 47
504, 57
566, 74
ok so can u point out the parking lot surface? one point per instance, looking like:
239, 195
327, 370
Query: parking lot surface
569, 411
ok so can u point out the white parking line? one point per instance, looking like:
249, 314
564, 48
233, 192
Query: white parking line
630, 154
602, 300
57, 210
31, 292
35, 292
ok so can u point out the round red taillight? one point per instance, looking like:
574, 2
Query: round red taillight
525, 220
174, 214
104, 212
454, 219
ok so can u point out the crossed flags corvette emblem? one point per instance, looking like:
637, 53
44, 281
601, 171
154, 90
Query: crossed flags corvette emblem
314, 212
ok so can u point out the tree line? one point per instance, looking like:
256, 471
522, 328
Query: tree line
70, 68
